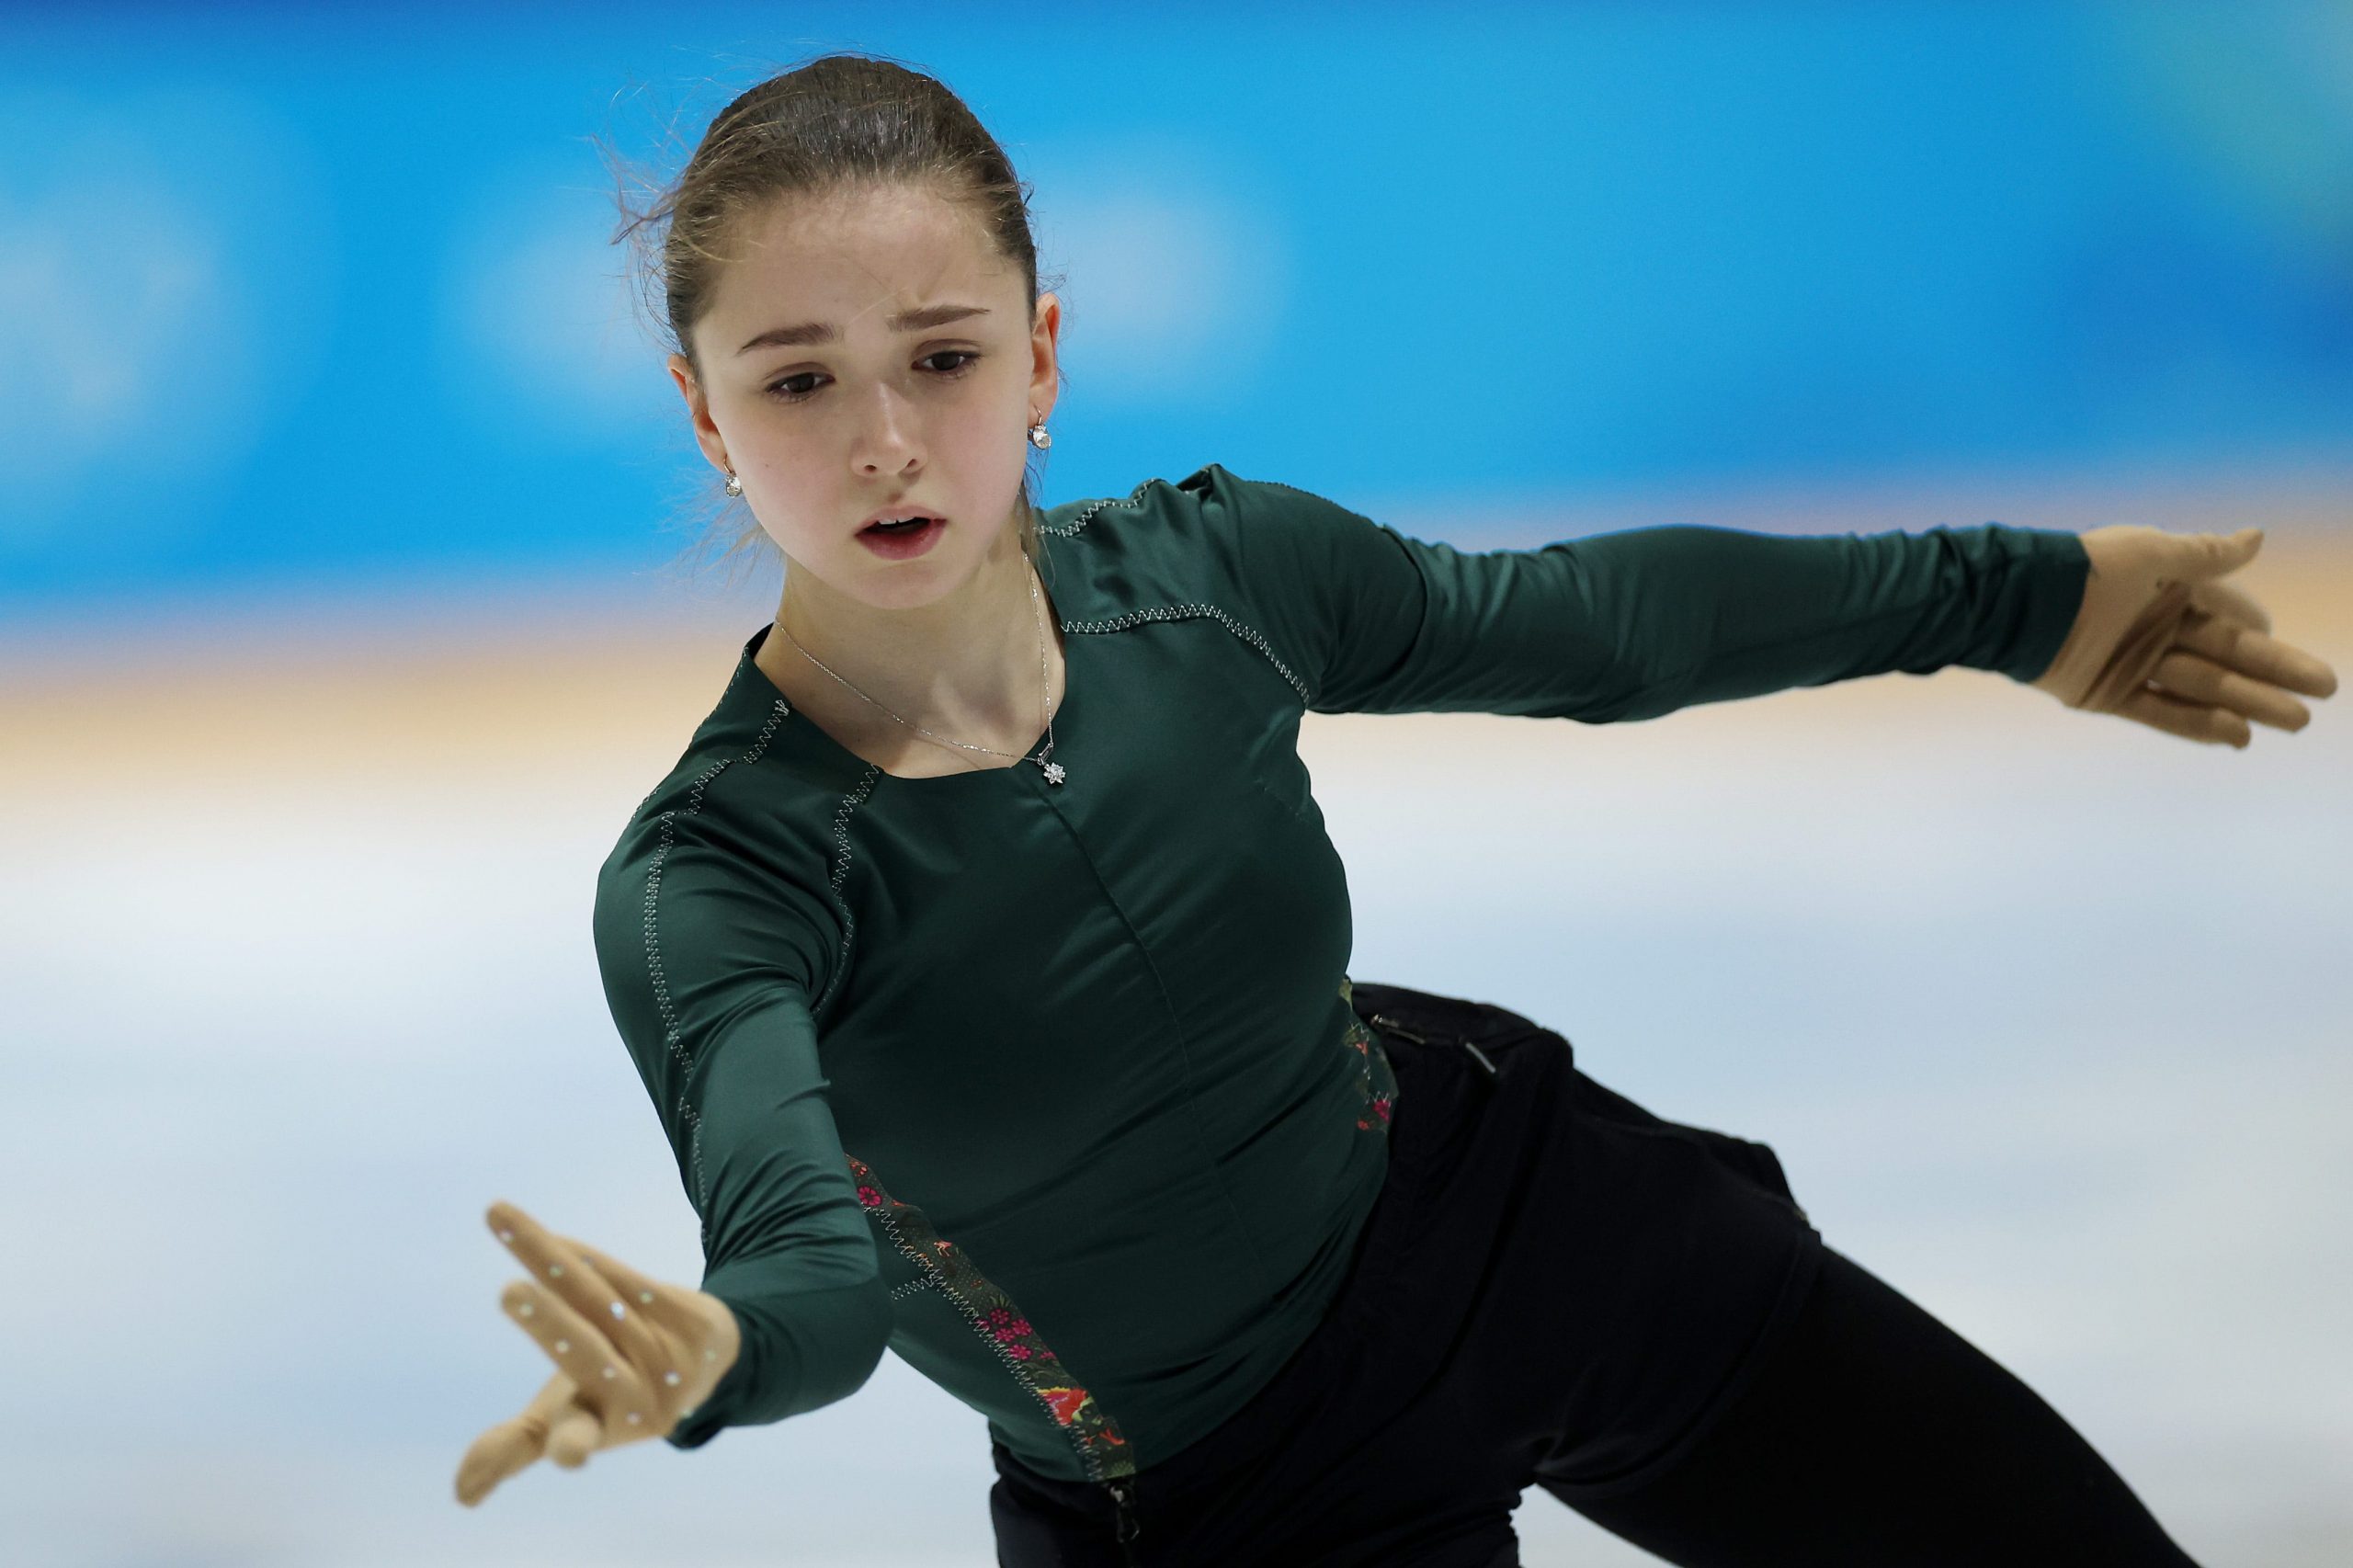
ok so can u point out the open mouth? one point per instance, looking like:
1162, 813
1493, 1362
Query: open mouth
899, 541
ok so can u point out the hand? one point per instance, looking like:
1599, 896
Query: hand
631, 1354
2162, 640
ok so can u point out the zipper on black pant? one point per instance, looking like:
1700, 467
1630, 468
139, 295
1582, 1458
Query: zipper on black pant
1123, 1496
1394, 1027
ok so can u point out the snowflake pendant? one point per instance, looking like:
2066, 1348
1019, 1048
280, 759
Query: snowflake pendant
1053, 772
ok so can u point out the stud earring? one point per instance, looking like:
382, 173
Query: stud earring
734, 485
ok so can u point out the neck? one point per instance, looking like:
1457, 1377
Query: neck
973, 657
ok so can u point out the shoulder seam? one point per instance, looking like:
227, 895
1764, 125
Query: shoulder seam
1249, 634
1063, 530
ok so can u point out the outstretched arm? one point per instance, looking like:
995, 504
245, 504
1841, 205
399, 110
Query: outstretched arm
1631, 624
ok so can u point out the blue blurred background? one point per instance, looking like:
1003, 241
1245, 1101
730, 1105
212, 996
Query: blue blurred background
328, 294
340, 480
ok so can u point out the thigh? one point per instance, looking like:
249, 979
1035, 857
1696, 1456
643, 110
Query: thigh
1875, 1436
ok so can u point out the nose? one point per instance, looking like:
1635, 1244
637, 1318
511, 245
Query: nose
887, 438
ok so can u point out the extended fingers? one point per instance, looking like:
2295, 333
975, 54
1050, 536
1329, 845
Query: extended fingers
608, 1382
654, 1302
2229, 639
644, 1294
2191, 721
2200, 679
624, 1322
643, 1302
557, 1264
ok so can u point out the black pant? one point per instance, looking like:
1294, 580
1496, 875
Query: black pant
1873, 1435
1560, 1288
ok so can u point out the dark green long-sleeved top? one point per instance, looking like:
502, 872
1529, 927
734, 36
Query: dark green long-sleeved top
1055, 1089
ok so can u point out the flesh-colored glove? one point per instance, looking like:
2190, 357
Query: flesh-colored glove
2163, 640
621, 1375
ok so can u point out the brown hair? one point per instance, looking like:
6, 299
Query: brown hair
835, 122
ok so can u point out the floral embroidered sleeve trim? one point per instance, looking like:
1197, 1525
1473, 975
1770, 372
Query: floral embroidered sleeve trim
1102, 1449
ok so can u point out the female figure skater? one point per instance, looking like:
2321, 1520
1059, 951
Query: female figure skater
984, 957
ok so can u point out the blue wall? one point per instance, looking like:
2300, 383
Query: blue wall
286, 293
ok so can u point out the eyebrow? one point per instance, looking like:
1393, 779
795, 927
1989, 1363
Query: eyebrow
814, 332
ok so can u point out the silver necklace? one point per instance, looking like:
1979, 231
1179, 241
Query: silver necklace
1053, 770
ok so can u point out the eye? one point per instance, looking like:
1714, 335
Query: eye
784, 391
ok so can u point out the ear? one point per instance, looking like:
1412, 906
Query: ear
707, 437
1045, 375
